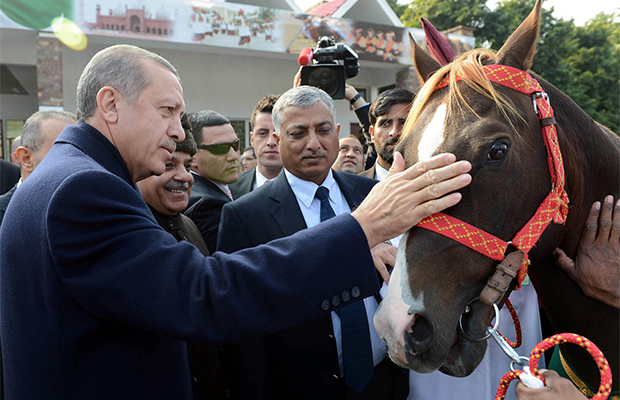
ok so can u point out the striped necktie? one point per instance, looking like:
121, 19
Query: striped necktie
356, 347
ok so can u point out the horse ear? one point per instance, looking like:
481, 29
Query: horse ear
519, 49
424, 64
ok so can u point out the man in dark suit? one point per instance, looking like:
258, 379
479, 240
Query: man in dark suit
9, 175
308, 361
387, 116
216, 165
38, 135
265, 147
97, 301
167, 196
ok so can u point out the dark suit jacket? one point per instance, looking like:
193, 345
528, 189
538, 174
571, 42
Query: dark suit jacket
244, 185
369, 173
300, 362
97, 300
9, 175
205, 212
211, 379
4, 202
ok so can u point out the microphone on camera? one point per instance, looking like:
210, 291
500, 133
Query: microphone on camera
305, 55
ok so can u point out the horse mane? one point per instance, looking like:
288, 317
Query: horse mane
468, 66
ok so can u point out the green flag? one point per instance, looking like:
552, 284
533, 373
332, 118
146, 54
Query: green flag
36, 14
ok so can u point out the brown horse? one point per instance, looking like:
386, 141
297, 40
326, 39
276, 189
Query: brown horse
459, 110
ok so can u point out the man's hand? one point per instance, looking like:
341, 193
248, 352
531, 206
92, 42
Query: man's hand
384, 255
596, 268
556, 388
405, 197
297, 78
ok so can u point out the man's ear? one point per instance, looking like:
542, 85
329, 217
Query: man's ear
371, 131
252, 138
26, 158
276, 138
337, 129
107, 102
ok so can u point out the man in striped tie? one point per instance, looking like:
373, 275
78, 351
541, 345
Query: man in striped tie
339, 355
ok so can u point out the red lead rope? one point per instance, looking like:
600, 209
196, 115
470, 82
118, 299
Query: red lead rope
604, 389
515, 319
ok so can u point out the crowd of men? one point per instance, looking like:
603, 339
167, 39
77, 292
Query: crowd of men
163, 272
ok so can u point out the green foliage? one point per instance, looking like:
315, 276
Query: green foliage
594, 79
582, 61
445, 14
399, 9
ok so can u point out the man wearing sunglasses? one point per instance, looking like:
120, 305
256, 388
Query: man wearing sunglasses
216, 166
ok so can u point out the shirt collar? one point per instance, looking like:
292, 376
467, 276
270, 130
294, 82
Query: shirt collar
380, 172
261, 179
222, 186
305, 190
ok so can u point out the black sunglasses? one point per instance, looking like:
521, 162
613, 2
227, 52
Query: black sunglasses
219, 149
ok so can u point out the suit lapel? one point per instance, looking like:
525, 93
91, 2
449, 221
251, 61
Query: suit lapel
286, 212
205, 187
348, 187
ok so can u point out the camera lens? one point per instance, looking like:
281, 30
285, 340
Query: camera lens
326, 79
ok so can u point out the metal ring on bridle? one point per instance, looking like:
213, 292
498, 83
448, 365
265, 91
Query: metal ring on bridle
524, 361
488, 335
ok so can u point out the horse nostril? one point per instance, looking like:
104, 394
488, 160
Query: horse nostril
420, 336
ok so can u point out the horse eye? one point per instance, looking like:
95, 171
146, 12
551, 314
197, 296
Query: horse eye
498, 152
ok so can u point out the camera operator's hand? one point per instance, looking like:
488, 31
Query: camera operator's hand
297, 78
349, 93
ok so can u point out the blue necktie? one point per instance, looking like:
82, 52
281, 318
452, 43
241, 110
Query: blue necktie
356, 347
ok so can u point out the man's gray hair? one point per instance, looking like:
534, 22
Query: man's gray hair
31, 132
302, 96
121, 67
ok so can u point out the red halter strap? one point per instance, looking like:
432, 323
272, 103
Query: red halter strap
553, 208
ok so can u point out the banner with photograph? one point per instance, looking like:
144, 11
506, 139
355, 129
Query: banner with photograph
211, 23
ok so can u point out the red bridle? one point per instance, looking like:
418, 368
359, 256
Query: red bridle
553, 208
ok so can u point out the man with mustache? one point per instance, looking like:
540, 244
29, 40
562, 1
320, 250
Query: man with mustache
309, 360
216, 165
167, 196
387, 116
98, 301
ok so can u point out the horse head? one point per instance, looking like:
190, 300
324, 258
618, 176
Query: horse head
431, 316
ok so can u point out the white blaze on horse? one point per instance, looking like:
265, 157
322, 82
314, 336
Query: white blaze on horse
539, 162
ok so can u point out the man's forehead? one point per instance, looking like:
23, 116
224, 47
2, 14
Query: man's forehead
350, 142
263, 118
218, 133
181, 156
399, 110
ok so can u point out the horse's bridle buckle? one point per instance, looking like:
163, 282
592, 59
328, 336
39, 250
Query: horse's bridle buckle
499, 283
538, 95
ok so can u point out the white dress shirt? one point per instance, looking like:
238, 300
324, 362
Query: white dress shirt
261, 179
311, 210
380, 172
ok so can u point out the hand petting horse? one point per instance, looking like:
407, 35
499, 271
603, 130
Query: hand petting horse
539, 162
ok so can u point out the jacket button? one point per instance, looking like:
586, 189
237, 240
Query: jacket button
356, 291
345, 296
335, 377
335, 301
325, 305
